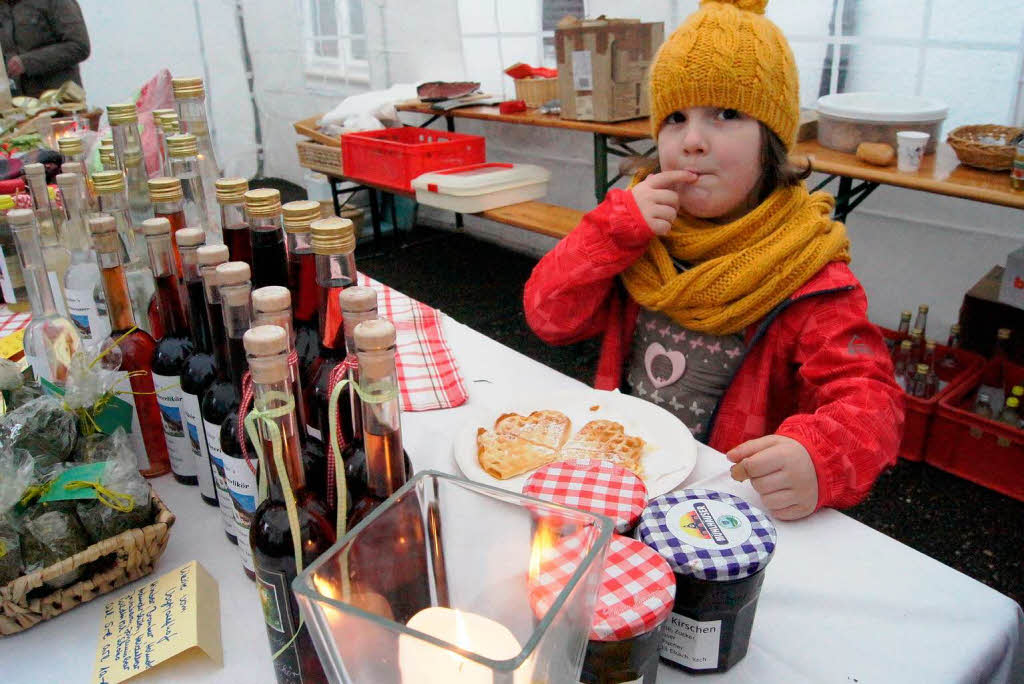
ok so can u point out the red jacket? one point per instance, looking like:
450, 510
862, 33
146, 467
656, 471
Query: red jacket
816, 369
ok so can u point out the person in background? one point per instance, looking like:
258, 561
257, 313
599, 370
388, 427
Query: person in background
721, 286
43, 42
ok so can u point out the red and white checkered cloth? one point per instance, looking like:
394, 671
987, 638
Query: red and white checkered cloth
592, 485
637, 589
428, 376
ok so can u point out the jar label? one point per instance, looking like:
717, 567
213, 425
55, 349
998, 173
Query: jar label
227, 508
691, 643
168, 398
708, 524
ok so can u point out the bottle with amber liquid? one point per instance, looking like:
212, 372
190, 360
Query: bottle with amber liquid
269, 257
334, 244
167, 198
231, 201
271, 535
172, 351
302, 281
134, 352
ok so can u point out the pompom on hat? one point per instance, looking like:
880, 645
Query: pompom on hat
728, 54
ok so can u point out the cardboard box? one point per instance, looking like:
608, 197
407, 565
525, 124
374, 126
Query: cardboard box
602, 68
1011, 290
982, 314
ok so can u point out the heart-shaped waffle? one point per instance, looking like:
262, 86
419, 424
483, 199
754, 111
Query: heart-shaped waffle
606, 440
545, 428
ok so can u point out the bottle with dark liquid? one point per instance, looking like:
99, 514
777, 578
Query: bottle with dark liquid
334, 244
209, 257
273, 545
239, 477
222, 398
183, 152
302, 282
146, 435
269, 256
165, 194
231, 200
172, 351
200, 368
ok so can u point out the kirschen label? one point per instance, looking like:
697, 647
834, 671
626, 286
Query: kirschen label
227, 508
168, 398
195, 433
708, 524
692, 643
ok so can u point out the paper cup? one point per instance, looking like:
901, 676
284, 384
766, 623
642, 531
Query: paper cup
910, 146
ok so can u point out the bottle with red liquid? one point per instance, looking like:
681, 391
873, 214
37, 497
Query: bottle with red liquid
358, 304
271, 535
269, 255
146, 434
302, 281
231, 199
209, 258
172, 351
167, 199
334, 244
239, 478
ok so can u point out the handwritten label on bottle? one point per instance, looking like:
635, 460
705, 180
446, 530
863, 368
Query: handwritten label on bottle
168, 398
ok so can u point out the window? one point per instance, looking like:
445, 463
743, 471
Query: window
335, 40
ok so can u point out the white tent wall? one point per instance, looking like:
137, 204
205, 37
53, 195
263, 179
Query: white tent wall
908, 247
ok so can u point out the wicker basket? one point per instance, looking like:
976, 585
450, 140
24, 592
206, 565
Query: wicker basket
322, 158
967, 142
536, 91
119, 560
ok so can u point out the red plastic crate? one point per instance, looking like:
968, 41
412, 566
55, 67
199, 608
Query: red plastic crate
392, 157
920, 412
983, 451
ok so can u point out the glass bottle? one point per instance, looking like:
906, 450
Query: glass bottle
222, 398
903, 364
169, 125
209, 257
124, 129
1010, 411
921, 322
185, 167
273, 545
903, 330
235, 227
334, 245
983, 405
1002, 348
83, 275
949, 366
113, 201
73, 151
302, 280
269, 256
168, 202
358, 304
158, 130
190, 103
916, 346
55, 254
50, 338
380, 465
240, 480
146, 434
919, 386
173, 349
12, 280
108, 159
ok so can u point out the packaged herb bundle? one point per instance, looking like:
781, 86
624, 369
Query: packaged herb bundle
44, 429
14, 391
52, 533
123, 499
15, 475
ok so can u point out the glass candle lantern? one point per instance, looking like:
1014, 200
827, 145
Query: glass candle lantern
433, 586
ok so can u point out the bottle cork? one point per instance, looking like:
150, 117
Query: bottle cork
271, 298
190, 237
67, 181
104, 233
358, 299
266, 346
156, 226
212, 255
375, 335
21, 217
229, 277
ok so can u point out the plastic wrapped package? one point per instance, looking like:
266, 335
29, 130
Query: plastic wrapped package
121, 479
53, 533
44, 429
15, 475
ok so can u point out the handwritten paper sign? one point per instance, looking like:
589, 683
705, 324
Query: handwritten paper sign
172, 615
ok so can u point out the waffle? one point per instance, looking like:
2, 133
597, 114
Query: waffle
544, 428
503, 456
606, 440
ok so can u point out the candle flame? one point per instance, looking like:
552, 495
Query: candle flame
543, 541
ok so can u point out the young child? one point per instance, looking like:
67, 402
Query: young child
721, 287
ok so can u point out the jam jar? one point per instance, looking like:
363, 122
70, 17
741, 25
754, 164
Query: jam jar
594, 486
718, 546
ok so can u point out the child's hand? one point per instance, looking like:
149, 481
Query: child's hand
658, 200
781, 471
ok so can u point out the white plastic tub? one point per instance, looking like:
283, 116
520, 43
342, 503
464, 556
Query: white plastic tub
479, 187
846, 120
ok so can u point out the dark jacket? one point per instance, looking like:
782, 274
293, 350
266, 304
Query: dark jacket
50, 38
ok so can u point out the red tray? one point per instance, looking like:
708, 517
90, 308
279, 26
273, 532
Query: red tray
392, 157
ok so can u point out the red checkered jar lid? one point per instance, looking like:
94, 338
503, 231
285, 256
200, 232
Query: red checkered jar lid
637, 587
592, 485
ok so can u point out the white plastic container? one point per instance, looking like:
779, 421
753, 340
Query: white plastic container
846, 120
479, 187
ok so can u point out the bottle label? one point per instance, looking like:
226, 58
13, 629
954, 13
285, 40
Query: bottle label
314, 433
275, 595
690, 642
57, 291
124, 389
227, 509
6, 283
79, 310
195, 432
168, 398
241, 481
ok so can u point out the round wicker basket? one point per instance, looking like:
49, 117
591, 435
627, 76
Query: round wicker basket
977, 146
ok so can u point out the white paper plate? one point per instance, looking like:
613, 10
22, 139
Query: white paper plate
669, 457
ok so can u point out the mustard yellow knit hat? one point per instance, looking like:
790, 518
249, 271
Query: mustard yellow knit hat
727, 54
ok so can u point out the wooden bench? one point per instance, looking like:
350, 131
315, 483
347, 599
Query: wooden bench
547, 219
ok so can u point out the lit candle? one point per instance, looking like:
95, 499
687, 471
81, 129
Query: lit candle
425, 663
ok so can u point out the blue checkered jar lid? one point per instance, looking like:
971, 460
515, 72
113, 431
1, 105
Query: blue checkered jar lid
708, 535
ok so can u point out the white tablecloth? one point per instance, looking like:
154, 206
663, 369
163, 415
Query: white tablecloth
840, 602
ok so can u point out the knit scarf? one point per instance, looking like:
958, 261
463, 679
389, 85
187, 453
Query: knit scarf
743, 269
